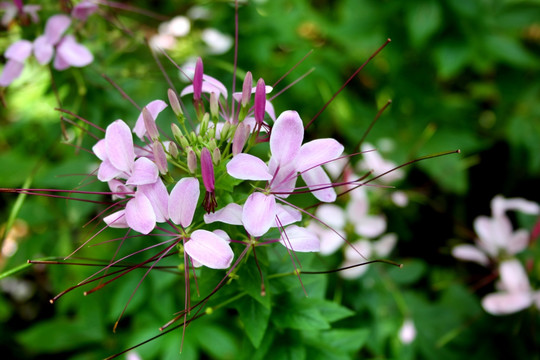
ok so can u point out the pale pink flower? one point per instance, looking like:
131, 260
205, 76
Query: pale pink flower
496, 236
407, 332
515, 293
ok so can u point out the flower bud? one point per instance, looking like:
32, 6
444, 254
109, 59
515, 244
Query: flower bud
214, 105
173, 149
260, 102
160, 158
192, 161
216, 156
246, 89
207, 171
175, 104
177, 133
225, 130
240, 136
204, 124
198, 80
150, 124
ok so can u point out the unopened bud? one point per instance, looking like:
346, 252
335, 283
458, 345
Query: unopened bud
216, 156
212, 144
173, 149
150, 124
260, 102
160, 158
177, 133
175, 104
214, 105
225, 130
184, 142
204, 124
246, 89
192, 161
198, 80
240, 137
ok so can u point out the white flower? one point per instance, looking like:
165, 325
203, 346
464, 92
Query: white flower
407, 332
515, 293
496, 236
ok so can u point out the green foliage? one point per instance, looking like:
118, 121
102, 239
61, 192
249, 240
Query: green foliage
461, 74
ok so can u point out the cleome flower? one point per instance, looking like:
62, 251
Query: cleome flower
289, 157
496, 237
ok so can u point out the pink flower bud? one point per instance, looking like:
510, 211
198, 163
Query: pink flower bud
198, 80
150, 124
260, 101
246, 89
207, 170
159, 157
240, 137
191, 161
175, 104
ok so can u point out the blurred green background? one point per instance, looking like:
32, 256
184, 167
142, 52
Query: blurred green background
460, 74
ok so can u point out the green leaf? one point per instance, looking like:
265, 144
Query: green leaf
57, 335
332, 311
302, 314
255, 318
509, 50
216, 341
423, 20
411, 272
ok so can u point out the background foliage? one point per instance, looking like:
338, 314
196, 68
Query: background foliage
461, 74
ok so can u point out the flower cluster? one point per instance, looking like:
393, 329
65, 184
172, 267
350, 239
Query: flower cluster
214, 158
54, 43
497, 245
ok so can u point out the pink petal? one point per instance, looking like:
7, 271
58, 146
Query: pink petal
370, 226
73, 53
43, 50
513, 276
84, 9
100, 150
183, 201
248, 167
259, 213
518, 242
331, 215
159, 198
154, 107
107, 171
499, 205
140, 214
315, 179
384, 246
317, 152
502, 303
55, 28
287, 215
470, 253
119, 145
144, 172
330, 240
119, 188
19, 51
286, 137
116, 220
230, 214
209, 249
300, 239
60, 63
12, 70
284, 179
407, 332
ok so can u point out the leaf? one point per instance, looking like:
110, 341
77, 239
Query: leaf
423, 20
411, 272
255, 318
332, 311
451, 57
57, 335
216, 341
509, 50
300, 315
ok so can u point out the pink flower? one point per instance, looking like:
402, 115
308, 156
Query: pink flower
84, 9
496, 236
16, 54
515, 293
12, 8
204, 247
288, 158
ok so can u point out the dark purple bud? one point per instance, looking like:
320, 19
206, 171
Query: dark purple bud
198, 80
207, 170
260, 101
